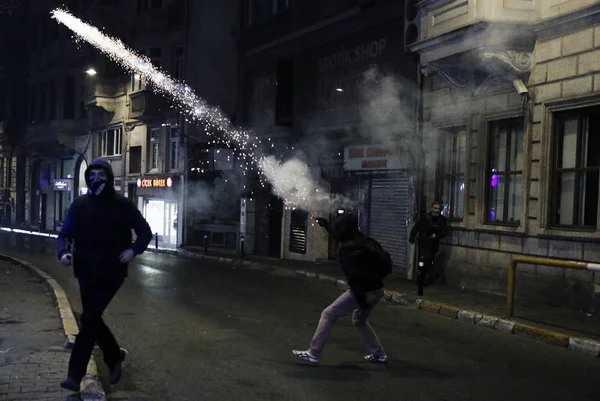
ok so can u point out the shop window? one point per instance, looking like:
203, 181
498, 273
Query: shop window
174, 148
298, 228
135, 160
153, 149
575, 169
452, 175
110, 142
505, 172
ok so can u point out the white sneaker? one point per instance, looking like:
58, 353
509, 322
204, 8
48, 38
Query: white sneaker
305, 356
376, 359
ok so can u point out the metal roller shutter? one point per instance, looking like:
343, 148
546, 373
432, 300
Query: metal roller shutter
298, 227
388, 216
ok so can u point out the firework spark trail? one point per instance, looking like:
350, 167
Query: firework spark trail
296, 187
181, 94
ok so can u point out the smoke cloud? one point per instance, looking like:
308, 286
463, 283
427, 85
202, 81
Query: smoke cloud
218, 201
384, 116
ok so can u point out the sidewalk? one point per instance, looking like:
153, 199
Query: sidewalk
555, 325
33, 359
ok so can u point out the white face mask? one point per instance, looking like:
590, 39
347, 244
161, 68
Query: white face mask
98, 181
98, 186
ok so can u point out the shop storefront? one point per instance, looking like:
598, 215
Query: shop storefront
159, 200
385, 198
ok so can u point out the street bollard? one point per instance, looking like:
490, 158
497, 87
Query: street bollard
156, 240
205, 244
242, 249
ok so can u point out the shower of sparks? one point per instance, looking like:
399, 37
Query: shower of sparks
297, 189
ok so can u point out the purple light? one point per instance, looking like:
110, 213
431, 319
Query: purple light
495, 180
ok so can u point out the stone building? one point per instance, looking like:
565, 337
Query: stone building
332, 79
78, 105
511, 123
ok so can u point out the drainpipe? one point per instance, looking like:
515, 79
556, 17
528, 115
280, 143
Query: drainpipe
418, 162
124, 150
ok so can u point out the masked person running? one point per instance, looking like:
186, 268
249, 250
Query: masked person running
99, 224
428, 231
365, 264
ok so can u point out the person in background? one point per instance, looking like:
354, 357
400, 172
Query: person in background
99, 224
365, 264
428, 231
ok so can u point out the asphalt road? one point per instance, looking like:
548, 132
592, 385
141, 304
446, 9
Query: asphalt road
205, 331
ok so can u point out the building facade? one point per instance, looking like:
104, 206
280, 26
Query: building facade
80, 105
13, 23
509, 118
332, 82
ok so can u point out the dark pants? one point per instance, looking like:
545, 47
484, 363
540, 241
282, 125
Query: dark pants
95, 297
426, 257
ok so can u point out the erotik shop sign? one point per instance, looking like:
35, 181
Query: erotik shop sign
373, 157
346, 57
334, 73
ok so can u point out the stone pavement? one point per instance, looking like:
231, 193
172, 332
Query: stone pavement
32, 358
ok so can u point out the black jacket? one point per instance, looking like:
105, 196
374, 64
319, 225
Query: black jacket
354, 257
425, 227
100, 229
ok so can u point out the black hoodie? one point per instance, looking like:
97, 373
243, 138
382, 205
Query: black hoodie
354, 256
100, 229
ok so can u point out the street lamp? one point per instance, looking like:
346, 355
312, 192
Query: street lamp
91, 72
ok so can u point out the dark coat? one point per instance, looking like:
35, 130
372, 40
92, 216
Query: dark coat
424, 228
354, 257
100, 229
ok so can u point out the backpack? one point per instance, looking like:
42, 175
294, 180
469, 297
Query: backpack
380, 261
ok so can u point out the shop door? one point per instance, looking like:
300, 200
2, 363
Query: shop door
171, 223
388, 216
275, 220
155, 216
162, 218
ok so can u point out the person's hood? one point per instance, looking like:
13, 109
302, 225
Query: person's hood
346, 226
104, 164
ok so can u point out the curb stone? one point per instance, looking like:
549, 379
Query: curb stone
91, 389
582, 345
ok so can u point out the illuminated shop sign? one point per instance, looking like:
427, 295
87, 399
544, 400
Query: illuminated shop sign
158, 182
358, 158
63, 185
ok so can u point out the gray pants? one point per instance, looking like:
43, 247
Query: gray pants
344, 305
